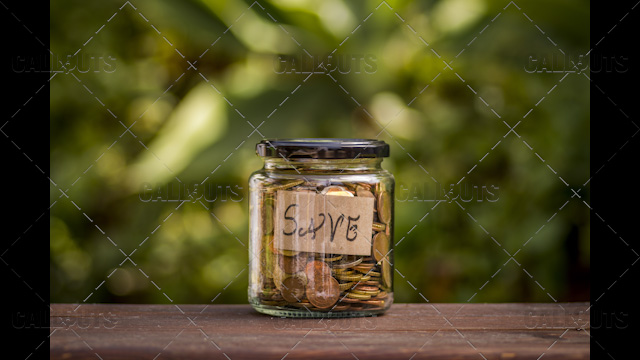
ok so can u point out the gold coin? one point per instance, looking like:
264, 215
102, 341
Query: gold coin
343, 271
268, 293
363, 292
387, 275
378, 226
284, 186
371, 282
323, 294
365, 278
267, 216
288, 252
352, 277
336, 191
347, 262
330, 259
373, 302
373, 273
346, 286
380, 246
384, 207
353, 295
293, 289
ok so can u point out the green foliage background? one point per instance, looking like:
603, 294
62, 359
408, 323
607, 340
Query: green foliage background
107, 245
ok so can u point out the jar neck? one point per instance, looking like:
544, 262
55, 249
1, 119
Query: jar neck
342, 165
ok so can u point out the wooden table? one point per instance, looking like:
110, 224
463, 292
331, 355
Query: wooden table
407, 331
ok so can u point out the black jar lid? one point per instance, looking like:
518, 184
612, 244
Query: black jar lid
322, 148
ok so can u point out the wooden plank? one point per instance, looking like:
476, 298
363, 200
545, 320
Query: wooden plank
416, 331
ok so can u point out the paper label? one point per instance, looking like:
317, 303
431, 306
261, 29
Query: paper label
330, 224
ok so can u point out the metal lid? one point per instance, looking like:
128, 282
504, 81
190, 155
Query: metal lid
322, 148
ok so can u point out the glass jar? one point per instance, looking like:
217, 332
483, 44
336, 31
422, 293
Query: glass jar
321, 228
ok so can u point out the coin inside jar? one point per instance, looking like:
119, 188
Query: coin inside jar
293, 289
292, 264
384, 207
323, 293
380, 247
336, 191
317, 270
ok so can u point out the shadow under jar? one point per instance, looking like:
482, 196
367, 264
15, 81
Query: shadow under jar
321, 228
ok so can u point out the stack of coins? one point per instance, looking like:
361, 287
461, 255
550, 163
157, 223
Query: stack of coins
321, 281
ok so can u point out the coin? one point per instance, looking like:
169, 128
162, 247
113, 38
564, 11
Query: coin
347, 262
301, 304
346, 286
288, 252
371, 282
353, 295
364, 268
330, 259
347, 300
378, 226
382, 295
293, 289
384, 207
361, 191
336, 191
366, 288
284, 186
267, 215
323, 294
352, 277
343, 271
317, 270
372, 302
387, 275
292, 264
380, 246
340, 307
362, 292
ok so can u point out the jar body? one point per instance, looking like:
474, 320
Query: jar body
321, 238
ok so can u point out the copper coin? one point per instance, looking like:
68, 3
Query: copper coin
317, 270
323, 294
340, 307
292, 264
366, 288
293, 289
364, 268
381, 296
371, 282
347, 300
361, 191
384, 207
380, 246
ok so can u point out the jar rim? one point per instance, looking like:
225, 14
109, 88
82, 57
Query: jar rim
322, 148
